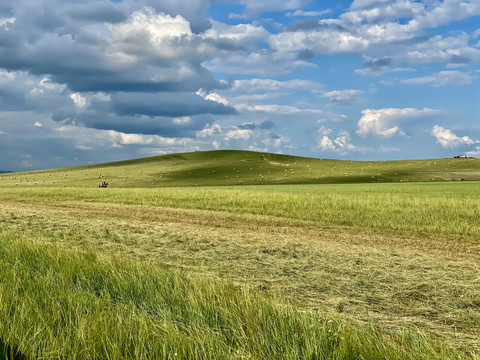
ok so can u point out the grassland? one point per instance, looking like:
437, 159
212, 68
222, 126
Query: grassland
327, 271
244, 168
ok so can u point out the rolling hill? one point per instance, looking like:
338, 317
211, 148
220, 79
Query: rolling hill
232, 167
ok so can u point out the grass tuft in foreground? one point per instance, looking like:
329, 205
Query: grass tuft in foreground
58, 303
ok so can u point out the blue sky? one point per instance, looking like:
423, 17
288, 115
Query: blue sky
98, 80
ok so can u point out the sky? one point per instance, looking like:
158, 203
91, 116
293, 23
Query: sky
90, 81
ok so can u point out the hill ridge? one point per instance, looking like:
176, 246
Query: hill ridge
241, 167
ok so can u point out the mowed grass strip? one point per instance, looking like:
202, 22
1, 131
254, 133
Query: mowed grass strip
58, 303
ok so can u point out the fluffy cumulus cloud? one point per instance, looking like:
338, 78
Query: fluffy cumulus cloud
134, 78
398, 30
243, 134
135, 51
341, 143
228, 133
243, 35
386, 122
448, 139
118, 139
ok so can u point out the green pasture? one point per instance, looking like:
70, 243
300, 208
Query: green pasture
244, 168
163, 266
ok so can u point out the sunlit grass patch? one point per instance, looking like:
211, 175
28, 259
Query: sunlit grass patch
57, 303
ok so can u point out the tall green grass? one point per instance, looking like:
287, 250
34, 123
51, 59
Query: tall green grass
63, 304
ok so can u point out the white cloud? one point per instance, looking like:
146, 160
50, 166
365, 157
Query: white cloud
84, 147
277, 141
227, 133
111, 141
38, 124
149, 32
184, 120
7, 77
245, 34
448, 139
453, 50
423, 15
378, 10
341, 144
343, 141
442, 49
242, 134
280, 141
4, 22
384, 122
261, 62
360, 4
256, 97
349, 97
119, 138
308, 13
252, 85
163, 48
326, 144
447, 11
3, 132
217, 98
372, 27
210, 130
442, 78
475, 152
79, 100
46, 83
322, 41
386, 149
278, 109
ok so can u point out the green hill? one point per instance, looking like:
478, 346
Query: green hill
231, 167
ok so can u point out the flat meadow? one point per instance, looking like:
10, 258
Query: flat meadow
347, 271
